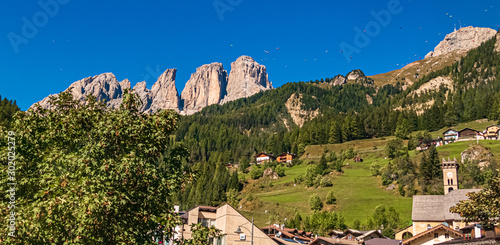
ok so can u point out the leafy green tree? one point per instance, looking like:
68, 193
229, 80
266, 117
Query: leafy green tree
402, 128
86, 174
394, 148
315, 202
280, 170
256, 172
482, 206
330, 198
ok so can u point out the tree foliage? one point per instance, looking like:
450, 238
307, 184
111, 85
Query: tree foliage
89, 175
482, 206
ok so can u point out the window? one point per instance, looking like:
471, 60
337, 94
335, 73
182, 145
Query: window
446, 235
451, 182
206, 222
436, 235
448, 181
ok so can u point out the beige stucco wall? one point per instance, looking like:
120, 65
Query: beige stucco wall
421, 226
194, 214
399, 234
228, 220
430, 240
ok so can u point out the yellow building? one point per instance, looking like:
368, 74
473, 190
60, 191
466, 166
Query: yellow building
438, 234
431, 211
228, 220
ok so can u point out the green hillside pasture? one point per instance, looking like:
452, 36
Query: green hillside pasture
357, 193
454, 150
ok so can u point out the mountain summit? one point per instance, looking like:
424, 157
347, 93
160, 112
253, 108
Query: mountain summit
209, 85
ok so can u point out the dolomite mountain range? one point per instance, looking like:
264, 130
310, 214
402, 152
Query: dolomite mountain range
209, 85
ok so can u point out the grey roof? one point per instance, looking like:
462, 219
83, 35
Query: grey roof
382, 241
437, 207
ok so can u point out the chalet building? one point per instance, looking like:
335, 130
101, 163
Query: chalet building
235, 228
286, 157
358, 159
361, 236
492, 132
468, 134
333, 241
282, 235
264, 157
450, 136
438, 234
437, 142
475, 235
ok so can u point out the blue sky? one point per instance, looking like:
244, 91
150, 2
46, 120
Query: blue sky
138, 40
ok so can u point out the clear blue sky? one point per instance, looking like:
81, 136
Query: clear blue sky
140, 39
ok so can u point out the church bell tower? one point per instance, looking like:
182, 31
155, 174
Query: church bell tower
450, 175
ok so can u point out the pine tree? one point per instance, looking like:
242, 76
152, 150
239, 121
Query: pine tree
335, 133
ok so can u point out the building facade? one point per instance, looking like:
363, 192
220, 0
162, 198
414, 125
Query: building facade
228, 220
450, 175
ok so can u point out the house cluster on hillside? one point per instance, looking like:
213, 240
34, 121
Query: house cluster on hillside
265, 157
451, 135
238, 230
433, 223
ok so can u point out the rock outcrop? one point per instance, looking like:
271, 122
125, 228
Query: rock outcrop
164, 93
479, 153
355, 74
497, 43
294, 108
338, 80
246, 78
466, 38
102, 87
207, 86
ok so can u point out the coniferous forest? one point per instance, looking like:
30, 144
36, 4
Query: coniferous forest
236, 131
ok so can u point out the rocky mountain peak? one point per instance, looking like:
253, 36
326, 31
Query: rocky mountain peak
247, 77
338, 80
164, 93
464, 39
207, 86
354, 74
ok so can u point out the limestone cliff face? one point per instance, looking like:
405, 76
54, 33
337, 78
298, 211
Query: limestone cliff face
164, 93
465, 39
497, 44
102, 87
207, 86
355, 74
247, 77
338, 80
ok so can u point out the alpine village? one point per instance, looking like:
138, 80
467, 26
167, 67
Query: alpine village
407, 157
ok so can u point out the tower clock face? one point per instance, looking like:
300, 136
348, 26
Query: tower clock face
450, 174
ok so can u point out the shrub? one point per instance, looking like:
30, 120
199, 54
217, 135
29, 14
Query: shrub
280, 170
256, 172
325, 182
330, 198
315, 202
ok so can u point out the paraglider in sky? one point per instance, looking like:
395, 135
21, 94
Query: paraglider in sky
267, 52
278, 48
326, 51
231, 45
